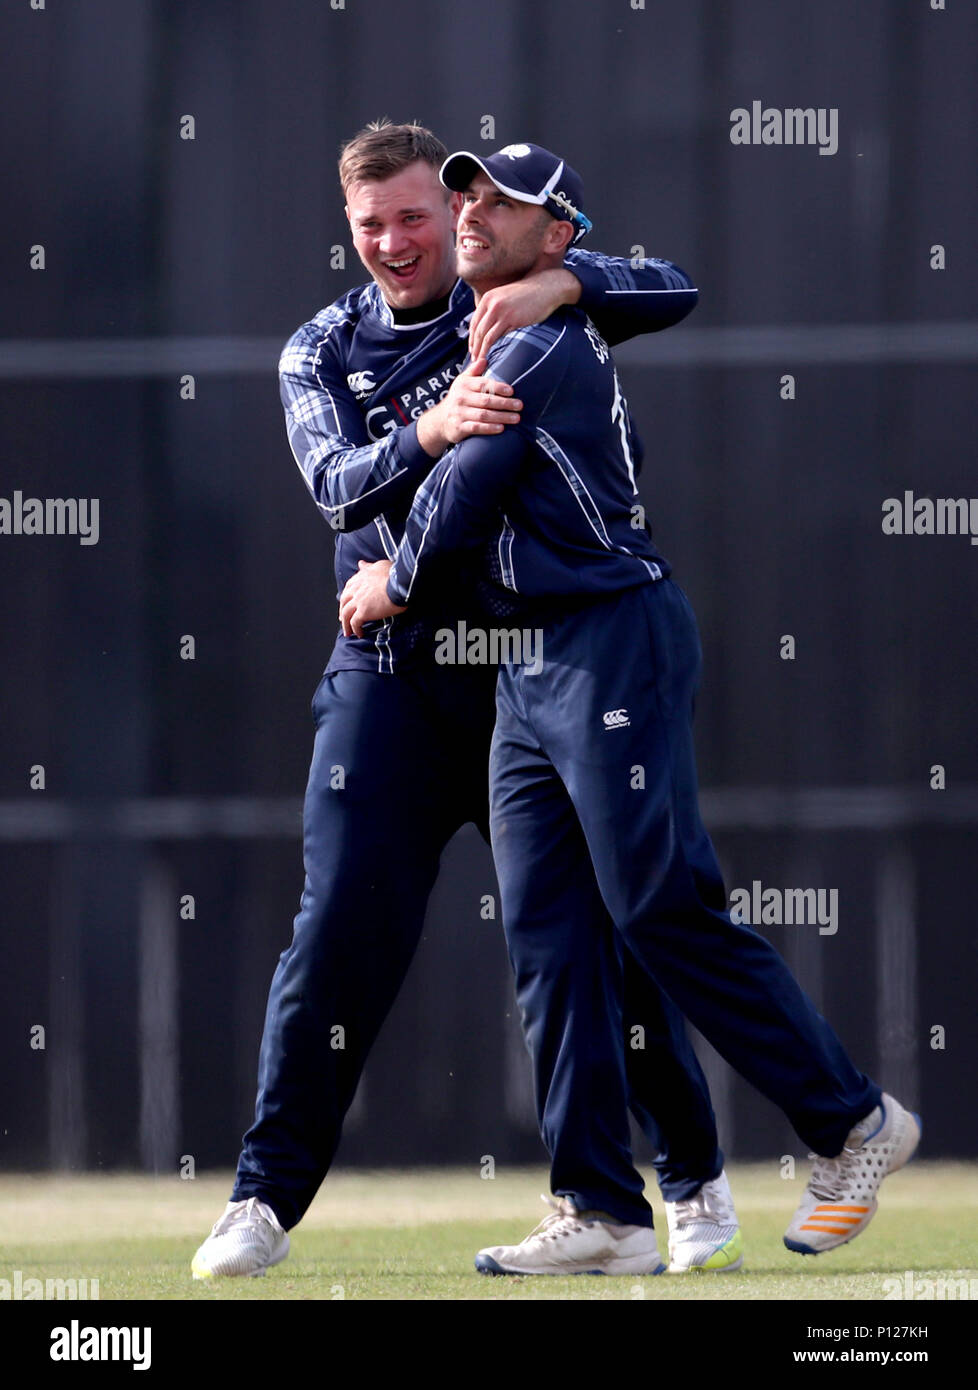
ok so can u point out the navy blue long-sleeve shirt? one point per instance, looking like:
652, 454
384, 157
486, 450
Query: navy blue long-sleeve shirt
354, 380
550, 505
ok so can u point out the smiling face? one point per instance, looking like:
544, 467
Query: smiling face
402, 229
500, 239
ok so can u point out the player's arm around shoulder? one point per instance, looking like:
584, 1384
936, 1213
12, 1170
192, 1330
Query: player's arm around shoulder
628, 297
520, 304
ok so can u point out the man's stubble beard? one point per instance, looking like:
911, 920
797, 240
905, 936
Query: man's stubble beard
514, 264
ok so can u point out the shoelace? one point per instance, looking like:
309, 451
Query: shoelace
827, 1182
562, 1221
831, 1177
241, 1212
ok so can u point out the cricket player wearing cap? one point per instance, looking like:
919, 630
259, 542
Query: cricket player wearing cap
548, 507
374, 393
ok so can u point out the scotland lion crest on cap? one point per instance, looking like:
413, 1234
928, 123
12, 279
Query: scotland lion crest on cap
515, 151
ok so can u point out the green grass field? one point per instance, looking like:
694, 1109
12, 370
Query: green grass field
412, 1235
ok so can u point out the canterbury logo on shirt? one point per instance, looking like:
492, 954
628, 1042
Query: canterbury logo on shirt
361, 383
616, 719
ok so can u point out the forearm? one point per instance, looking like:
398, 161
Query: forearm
566, 286
431, 432
353, 484
629, 297
455, 508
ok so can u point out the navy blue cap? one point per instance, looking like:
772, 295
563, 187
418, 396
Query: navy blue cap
528, 173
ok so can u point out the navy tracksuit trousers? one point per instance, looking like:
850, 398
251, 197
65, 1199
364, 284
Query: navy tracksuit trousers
400, 763
593, 791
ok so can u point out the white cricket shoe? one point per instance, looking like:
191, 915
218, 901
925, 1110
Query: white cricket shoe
704, 1232
247, 1240
840, 1199
572, 1242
